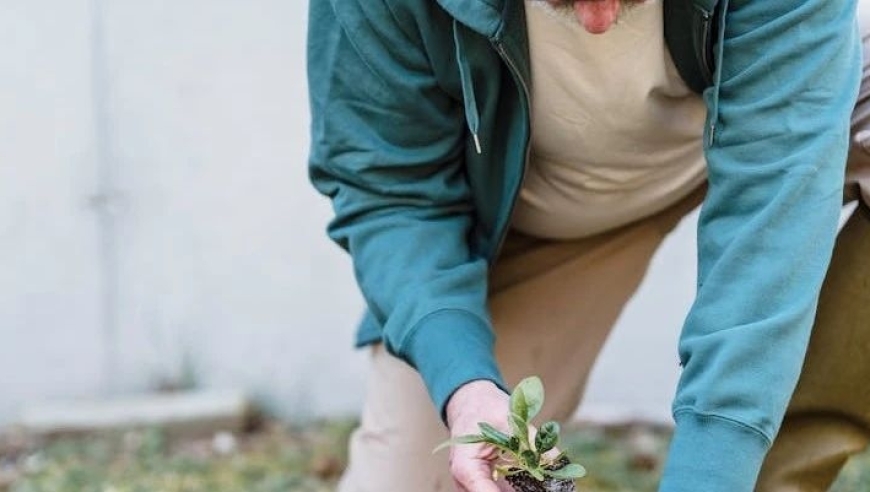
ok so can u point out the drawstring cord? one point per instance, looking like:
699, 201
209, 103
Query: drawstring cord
472, 117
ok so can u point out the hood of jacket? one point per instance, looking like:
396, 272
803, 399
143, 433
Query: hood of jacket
486, 17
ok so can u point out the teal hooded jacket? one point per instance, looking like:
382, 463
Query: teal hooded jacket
420, 135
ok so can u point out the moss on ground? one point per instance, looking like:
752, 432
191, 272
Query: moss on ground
302, 459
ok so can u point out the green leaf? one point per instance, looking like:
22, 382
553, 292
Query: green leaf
520, 429
547, 437
537, 473
532, 390
519, 407
494, 435
467, 439
551, 427
567, 472
530, 458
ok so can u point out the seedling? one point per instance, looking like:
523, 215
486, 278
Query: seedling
526, 461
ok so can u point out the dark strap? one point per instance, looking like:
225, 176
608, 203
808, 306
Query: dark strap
690, 32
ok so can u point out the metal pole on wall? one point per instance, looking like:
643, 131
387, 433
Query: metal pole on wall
105, 200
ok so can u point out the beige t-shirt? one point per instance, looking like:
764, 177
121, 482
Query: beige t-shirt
616, 133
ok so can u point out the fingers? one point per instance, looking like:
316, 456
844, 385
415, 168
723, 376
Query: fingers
475, 483
471, 465
471, 468
480, 487
552, 454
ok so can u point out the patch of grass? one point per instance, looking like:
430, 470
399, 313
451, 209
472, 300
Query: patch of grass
280, 459
308, 459
855, 475
618, 459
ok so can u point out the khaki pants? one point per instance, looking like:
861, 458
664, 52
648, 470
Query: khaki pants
570, 294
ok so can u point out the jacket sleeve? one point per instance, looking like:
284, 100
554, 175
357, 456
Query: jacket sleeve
387, 146
777, 137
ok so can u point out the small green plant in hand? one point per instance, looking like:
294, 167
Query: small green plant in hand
524, 461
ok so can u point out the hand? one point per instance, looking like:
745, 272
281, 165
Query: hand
472, 464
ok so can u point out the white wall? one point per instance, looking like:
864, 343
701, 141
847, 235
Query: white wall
50, 310
155, 214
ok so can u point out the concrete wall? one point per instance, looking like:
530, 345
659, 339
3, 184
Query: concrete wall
157, 227
51, 338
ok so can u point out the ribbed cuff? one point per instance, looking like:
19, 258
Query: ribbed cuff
450, 348
713, 454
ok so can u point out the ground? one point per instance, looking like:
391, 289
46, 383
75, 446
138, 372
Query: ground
282, 458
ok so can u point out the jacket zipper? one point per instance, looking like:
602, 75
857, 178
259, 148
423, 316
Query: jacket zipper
702, 51
527, 104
